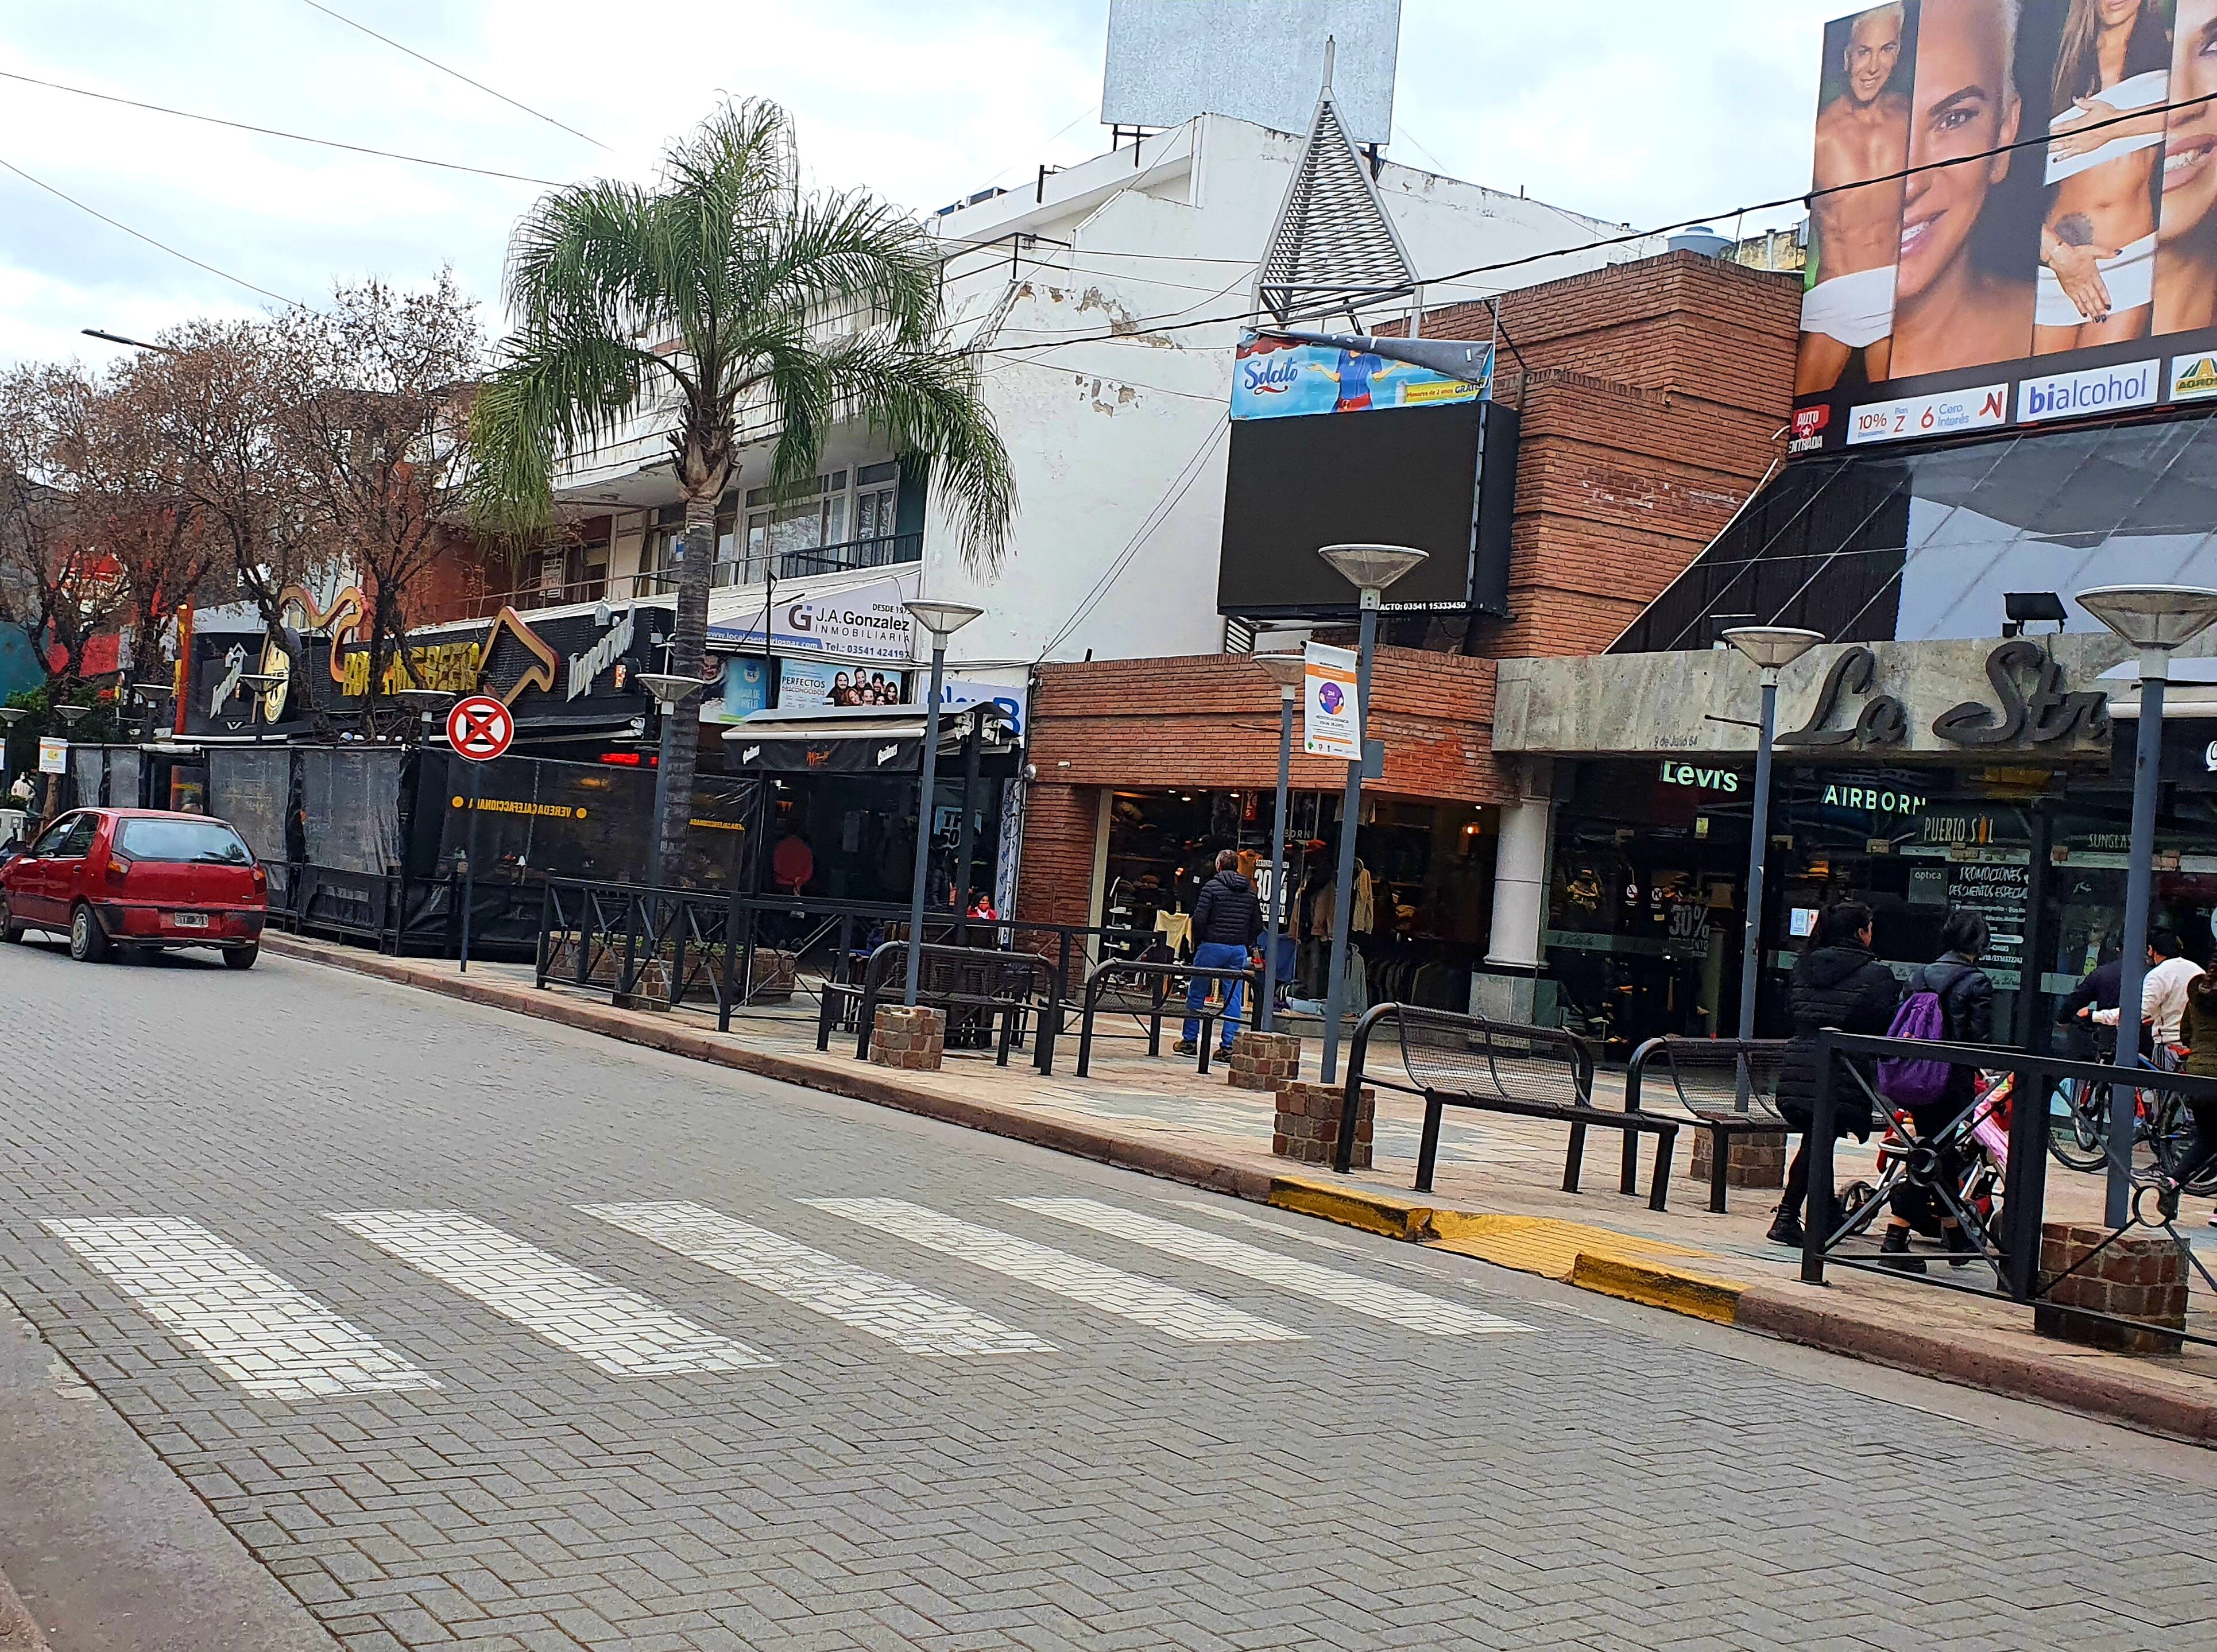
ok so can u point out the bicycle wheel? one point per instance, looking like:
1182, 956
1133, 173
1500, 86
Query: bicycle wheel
2171, 1137
2078, 1124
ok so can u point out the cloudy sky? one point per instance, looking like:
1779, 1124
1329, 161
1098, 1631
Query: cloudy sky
1622, 109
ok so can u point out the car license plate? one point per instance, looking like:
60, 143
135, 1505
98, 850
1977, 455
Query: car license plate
189, 919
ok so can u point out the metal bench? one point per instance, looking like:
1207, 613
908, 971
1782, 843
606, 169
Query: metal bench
1727, 1086
1498, 1067
983, 981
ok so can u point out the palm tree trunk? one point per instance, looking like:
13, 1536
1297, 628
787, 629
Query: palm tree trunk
681, 732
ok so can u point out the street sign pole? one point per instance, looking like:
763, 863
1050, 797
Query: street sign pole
479, 729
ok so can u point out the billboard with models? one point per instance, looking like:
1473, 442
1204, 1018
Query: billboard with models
2014, 217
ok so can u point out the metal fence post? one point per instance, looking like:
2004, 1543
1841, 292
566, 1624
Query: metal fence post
2025, 1187
1820, 1215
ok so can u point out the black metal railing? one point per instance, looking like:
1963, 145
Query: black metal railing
1727, 1086
1160, 974
752, 951
397, 912
1986, 1178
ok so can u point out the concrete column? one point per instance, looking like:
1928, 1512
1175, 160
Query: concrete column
1503, 989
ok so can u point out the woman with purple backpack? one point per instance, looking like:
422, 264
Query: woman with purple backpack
1965, 1002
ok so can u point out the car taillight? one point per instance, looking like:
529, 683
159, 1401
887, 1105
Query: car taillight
261, 878
118, 868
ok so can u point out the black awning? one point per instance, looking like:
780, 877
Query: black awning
858, 740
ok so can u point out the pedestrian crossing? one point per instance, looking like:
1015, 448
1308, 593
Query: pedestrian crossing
274, 1341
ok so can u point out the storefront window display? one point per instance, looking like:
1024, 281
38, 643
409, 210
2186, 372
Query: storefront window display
1422, 899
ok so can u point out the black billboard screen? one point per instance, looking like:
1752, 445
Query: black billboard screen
1394, 476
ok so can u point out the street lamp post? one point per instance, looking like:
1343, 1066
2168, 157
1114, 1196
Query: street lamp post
1773, 648
2154, 620
1370, 569
942, 620
1285, 671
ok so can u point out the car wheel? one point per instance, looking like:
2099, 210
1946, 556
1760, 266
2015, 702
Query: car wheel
241, 957
10, 931
88, 941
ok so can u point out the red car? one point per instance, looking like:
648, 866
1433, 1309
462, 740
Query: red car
124, 881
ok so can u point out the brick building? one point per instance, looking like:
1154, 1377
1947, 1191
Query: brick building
1653, 396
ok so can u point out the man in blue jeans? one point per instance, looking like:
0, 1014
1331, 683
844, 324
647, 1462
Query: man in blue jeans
1227, 921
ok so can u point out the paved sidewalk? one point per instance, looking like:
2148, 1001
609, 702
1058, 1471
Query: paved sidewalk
1497, 1192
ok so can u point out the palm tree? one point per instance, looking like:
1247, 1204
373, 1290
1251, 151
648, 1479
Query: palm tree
708, 296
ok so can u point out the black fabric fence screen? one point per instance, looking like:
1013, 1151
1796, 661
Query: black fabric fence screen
350, 808
253, 789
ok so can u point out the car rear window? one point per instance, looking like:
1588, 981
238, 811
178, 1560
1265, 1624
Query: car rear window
208, 842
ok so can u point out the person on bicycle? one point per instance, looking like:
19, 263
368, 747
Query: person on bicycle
2100, 990
2197, 1032
1966, 1012
1838, 982
2163, 998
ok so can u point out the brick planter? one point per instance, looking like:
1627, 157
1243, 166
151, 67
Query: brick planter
2139, 1279
915, 1039
1263, 1060
1754, 1159
1306, 1127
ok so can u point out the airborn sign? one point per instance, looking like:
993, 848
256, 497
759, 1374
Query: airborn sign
480, 728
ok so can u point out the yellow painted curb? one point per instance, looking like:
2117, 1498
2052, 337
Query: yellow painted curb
1373, 1213
1543, 1245
1657, 1286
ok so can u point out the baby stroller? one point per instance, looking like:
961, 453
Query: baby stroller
1975, 1144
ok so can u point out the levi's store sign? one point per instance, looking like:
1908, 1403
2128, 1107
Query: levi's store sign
1699, 776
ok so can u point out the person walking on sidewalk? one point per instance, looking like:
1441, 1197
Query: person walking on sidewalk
1227, 921
1838, 982
1967, 1016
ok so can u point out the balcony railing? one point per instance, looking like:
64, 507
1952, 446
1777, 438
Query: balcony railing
887, 550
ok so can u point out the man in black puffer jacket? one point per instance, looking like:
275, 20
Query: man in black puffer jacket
1838, 982
1227, 921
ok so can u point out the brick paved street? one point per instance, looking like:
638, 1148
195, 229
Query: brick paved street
478, 1332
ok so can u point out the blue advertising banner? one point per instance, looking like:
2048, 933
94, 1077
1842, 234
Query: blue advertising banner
1281, 378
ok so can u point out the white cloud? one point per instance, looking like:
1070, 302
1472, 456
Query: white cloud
1617, 107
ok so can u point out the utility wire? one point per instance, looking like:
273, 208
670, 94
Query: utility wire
1154, 325
114, 223
340, 17
273, 132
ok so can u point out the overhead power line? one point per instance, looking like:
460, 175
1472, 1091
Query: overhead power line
141, 235
1161, 325
273, 132
537, 114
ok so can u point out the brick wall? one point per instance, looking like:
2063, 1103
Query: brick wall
1652, 394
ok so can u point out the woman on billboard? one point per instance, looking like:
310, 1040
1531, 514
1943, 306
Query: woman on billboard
1952, 308
2186, 262
2097, 244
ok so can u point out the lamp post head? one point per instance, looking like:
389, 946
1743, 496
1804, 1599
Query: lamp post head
670, 692
12, 715
2153, 619
941, 619
71, 714
1371, 568
1773, 647
1284, 670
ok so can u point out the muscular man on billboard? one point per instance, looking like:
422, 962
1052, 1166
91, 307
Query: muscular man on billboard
1862, 133
1948, 311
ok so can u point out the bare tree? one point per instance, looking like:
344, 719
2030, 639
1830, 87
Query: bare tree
132, 498
376, 435
58, 580
216, 411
